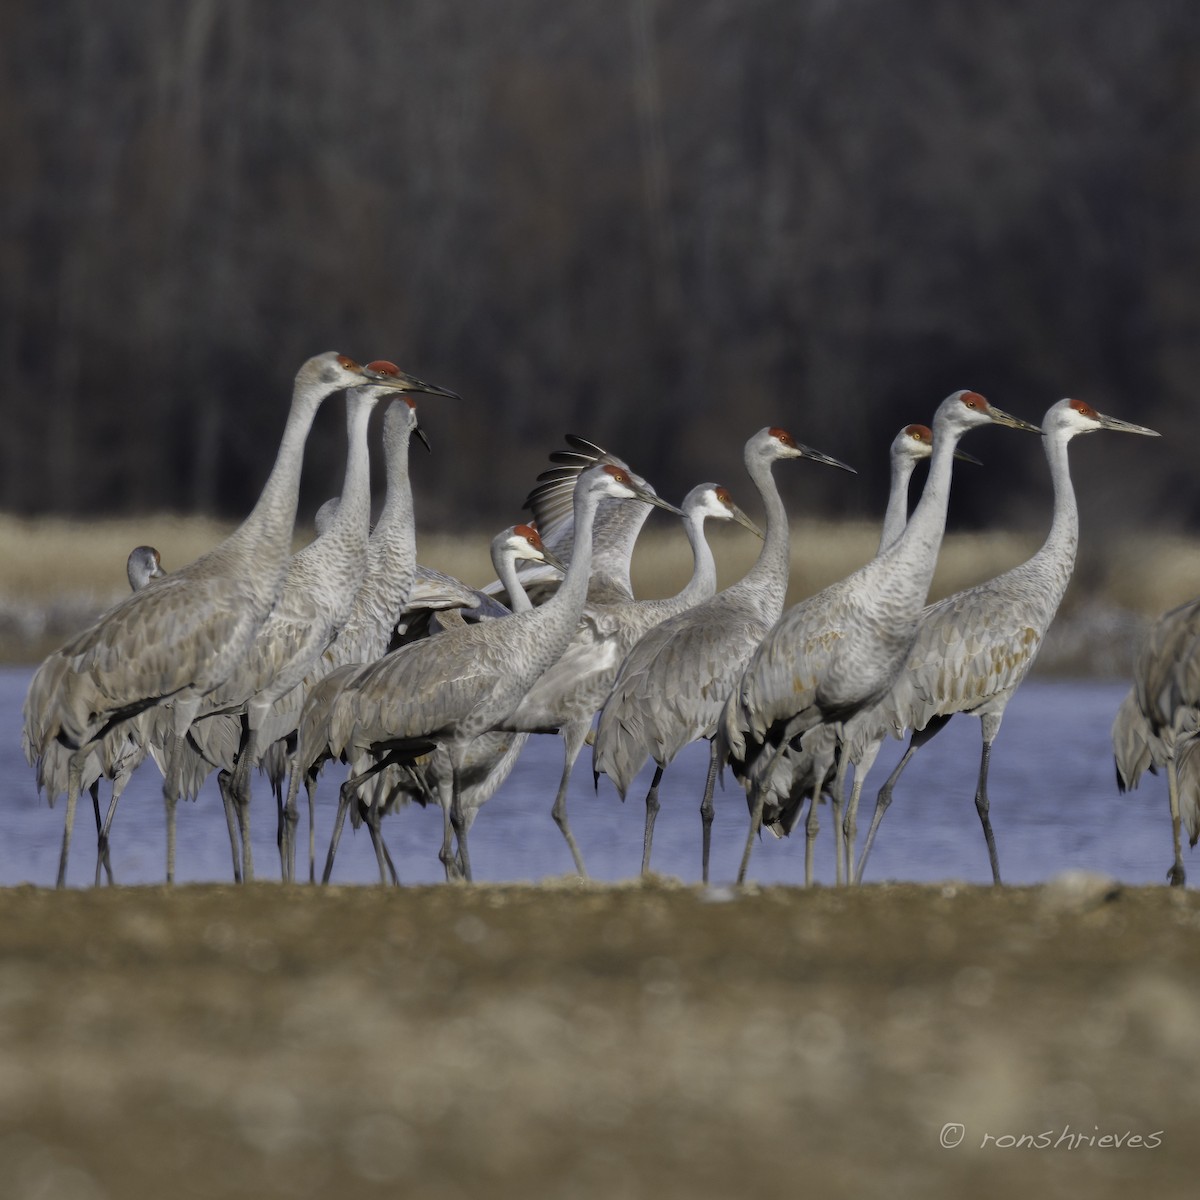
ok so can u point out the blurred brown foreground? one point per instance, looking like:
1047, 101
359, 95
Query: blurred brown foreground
585, 1041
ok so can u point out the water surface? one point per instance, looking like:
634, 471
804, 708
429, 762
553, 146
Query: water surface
1053, 796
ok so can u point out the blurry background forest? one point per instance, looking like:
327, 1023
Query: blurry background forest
657, 223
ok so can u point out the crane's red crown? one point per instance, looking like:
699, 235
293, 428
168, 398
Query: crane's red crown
919, 433
975, 400
782, 435
1084, 409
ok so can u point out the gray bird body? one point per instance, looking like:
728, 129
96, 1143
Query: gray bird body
1157, 724
672, 684
181, 637
840, 650
568, 695
114, 757
466, 681
973, 649
486, 761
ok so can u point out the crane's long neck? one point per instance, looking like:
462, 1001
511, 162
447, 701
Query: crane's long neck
506, 571
393, 547
704, 567
910, 560
769, 575
895, 517
1057, 554
349, 528
265, 536
562, 611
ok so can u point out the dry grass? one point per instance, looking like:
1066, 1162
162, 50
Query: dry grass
58, 573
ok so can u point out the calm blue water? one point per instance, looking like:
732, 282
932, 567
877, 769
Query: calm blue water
1054, 806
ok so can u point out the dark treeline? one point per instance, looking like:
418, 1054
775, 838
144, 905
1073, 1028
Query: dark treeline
658, 223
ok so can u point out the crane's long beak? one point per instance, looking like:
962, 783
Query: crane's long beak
1002, 418
1119, 426
965, 457
424, 440
657, 501
817, 456
553, 560
740, 517
403, 382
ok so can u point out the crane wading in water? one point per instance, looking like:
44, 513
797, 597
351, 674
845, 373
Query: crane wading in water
672, 684
172, 643
833, 654
975, 648
449, 689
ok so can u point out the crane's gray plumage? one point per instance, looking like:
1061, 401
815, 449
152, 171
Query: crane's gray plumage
486, 760
837, 652
114, 757
569, 694
913, 444
616, 528
975, 648
175, 641
314, 603
452, 688
672, 684
376, 609
1166, 700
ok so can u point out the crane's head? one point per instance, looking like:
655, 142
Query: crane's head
965, 410
1072, 417
144, 564
387, 374
774, 443
524, 542
613, 481
712, 500
915, 442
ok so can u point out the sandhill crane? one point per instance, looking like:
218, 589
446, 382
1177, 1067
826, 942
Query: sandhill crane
975, 648
377, 605
911, 445
174, 642
1166, 698
114, 757
315, 602
671, 685
451, 688
1136, 748
615, 532
487, 760
838, 651
571, 692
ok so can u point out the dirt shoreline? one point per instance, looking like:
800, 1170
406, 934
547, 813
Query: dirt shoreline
584, 1040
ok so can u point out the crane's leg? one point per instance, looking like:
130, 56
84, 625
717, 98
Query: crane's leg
346, 795
310, 788
95, 794
706, 806
290, 819
811, 828
282, 833
229, 804
991, 726
573, 736
756, 814
121, 778
457, 818
372, 816
651, 813
74, 783
183, 713
240, 790
883, 800
838, 803
1177, 875
446, 855
861, 770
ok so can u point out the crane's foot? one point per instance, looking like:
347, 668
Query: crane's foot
1177, 875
